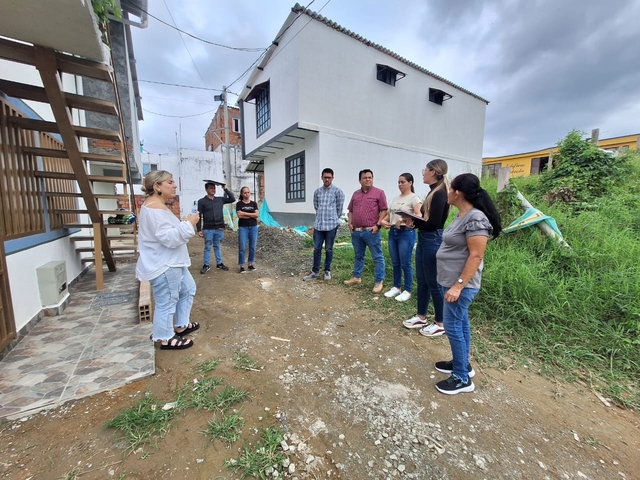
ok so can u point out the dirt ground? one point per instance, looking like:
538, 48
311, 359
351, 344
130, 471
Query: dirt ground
353, 390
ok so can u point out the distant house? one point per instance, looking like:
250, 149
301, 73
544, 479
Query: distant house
215, 140
532, 163
323, 96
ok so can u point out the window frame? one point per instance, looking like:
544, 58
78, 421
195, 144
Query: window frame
387, 74
263, 110
295, 178
438, 96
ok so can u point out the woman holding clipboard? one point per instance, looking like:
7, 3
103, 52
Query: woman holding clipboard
435, 210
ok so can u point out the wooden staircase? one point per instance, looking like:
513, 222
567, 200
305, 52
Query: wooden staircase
64, 169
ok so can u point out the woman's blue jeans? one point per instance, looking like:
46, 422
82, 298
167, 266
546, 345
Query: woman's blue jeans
401, 242
173, 293
360, 242
247, 235
458, 329
427, 273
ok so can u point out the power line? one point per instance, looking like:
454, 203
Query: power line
278, 38
184, 86
175, 27
179, 116
176, 100
187, 49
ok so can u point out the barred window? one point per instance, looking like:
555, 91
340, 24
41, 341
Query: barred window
263, 111
295, 178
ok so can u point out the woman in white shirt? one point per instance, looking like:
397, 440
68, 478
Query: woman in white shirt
164, 260
402, 238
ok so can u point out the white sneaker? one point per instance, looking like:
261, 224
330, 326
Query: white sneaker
393, 292
404, 296
311, 276
433, 330
327, 275
414, 322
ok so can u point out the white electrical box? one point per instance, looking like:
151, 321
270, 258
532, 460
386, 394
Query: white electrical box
52, 282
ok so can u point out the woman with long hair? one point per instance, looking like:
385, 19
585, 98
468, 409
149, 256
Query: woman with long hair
435, 210
402, 238
247, 211
460, 263
164, 261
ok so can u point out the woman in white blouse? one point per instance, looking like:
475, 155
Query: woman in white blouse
164, 261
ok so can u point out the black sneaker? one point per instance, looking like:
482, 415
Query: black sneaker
205, 269
454, 385
447, 367
242, 270
251, 268
222, 266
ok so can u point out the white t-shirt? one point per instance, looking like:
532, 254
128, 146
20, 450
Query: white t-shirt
162, 242
405, 203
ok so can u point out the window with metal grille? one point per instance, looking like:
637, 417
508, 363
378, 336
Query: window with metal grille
295, 178
263, 111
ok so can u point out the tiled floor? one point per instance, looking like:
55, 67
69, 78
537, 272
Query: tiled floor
92, 347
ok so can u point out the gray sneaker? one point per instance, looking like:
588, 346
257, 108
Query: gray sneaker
327, 275
311, 276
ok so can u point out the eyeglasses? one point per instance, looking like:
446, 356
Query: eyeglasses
425, 169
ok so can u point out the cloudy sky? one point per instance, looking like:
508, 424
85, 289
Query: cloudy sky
546, 66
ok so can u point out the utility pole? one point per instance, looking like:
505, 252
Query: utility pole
227, 157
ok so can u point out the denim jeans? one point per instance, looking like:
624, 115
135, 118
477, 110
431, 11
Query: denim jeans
362, 240
173, 293
458, 330
427, 273
212, 238
319, 237
401, 242
247, 235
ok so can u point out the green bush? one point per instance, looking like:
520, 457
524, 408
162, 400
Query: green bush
575, 310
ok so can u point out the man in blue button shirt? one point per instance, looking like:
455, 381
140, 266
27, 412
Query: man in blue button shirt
328, 201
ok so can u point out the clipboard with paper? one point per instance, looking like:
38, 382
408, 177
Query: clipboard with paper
414, 218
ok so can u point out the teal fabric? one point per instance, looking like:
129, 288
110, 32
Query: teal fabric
532, 217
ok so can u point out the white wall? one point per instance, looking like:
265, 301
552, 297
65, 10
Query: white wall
274, 174
21, 269
281, 71
339, 91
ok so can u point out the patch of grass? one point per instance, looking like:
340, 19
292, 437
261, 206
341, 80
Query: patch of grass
207, 367
143, 423
229, 397
242, 361
72, 475
198, 395
227, 429
261, 460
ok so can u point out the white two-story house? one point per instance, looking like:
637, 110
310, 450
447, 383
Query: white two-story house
323, 96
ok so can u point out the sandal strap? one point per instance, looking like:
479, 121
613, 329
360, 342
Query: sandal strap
179, 341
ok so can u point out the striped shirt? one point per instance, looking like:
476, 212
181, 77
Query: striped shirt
328, 203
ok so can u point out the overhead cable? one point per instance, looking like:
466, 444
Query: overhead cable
175, 27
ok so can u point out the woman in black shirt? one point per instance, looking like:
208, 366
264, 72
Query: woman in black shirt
435, 210
247, 211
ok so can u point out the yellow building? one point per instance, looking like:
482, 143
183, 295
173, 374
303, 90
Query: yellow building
531, 163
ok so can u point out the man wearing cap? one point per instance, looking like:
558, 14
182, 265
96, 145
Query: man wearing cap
211, 223
367, 209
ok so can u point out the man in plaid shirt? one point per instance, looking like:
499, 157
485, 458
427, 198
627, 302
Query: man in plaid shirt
328, 201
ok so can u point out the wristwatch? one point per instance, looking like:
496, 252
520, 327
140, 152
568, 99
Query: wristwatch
460, 281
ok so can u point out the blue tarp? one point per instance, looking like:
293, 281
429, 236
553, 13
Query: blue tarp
265, 217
